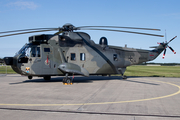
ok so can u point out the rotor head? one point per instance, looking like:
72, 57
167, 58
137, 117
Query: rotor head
68, 27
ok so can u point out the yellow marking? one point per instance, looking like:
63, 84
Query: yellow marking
101, 103
67, 83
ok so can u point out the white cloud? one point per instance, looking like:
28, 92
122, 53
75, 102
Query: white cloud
23, 5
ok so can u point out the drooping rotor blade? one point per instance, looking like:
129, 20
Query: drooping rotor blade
123, 31
172, 49
117, 27
164, 53
57, 33
27, 32
71, 28
172, 39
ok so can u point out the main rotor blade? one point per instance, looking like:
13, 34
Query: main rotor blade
27, 32
118, 27
57, 33
124, 31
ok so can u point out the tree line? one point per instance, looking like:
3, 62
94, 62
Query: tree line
162, 64
1, 60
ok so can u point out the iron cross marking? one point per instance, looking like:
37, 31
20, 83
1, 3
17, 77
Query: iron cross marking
131, 58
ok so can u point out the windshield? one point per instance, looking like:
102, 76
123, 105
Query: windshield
23, 49
29, 50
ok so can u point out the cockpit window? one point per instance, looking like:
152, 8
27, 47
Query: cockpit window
23, 49
38, 52
30, 50
35, 52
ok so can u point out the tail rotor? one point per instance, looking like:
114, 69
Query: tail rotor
172, 49
164, 53
165, 45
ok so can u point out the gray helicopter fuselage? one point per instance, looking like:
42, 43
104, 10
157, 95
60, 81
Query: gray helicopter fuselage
76, 53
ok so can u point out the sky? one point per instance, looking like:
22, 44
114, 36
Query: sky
160, 14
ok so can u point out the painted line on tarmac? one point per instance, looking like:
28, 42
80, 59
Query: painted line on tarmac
102, 103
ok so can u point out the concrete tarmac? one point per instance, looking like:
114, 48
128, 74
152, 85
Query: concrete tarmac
89, 98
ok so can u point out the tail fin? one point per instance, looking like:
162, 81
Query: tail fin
153, 54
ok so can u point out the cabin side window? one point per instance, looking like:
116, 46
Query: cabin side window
73, 56
82, 56
115, 57
46, 49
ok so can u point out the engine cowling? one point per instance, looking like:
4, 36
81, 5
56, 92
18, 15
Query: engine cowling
103, 41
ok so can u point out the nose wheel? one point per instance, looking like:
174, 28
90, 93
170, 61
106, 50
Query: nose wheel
30, 77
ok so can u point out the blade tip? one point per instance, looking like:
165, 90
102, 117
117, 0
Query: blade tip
157, 29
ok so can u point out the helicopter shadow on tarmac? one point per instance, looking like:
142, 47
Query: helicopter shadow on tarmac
79, 79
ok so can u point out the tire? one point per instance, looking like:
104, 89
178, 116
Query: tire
47, 77
124, 77
64, 80
68, 80
30, 77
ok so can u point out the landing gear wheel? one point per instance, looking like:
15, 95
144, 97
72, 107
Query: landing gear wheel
124, 77
47, 77
30, 77
64, 80
67, 81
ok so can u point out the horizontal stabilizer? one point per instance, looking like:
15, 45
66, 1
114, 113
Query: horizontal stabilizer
153, 47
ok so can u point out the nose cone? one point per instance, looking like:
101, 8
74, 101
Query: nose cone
13, 62
8, 60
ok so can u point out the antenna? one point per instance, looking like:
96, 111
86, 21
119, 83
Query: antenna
165, 36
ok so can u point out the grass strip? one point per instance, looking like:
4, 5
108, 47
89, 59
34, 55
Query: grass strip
136, 70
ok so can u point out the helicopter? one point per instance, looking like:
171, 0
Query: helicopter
67, 53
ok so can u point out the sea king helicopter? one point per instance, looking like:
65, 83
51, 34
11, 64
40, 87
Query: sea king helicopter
68, 53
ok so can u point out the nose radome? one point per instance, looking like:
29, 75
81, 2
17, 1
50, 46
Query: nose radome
8, 60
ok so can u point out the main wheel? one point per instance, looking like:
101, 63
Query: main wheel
30, 77
64, 80
124, 77
47, 77
68, 80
